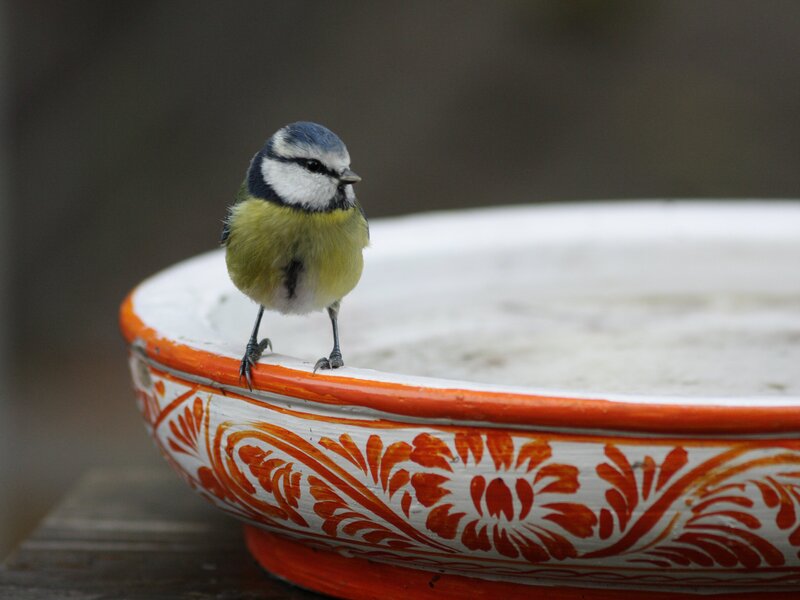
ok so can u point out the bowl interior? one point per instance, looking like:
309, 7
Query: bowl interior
664, 299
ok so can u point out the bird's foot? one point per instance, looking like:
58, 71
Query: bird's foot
251, 355
334, 361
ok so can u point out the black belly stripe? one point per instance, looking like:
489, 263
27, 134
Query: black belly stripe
291, 273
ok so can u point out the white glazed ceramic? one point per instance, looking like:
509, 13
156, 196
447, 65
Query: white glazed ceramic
601, 399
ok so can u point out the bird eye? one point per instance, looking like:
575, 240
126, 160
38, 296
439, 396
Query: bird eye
314, 166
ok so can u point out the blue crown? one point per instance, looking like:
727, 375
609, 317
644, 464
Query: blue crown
312, 134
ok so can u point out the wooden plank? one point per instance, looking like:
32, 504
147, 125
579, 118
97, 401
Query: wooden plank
137, 533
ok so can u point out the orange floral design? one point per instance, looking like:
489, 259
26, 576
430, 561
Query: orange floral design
210, 483
377, 463
186, 428
722, 526
276, 477
625, 493
513, 512
338, 515
709, 514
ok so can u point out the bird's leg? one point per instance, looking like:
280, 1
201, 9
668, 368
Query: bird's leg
334, 361
254, 350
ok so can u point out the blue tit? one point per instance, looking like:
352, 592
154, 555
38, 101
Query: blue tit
294, 237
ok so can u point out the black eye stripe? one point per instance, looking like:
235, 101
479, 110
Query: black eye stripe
303, 162
315, 166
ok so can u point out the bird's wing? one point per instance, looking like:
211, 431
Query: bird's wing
226, 232
241, 196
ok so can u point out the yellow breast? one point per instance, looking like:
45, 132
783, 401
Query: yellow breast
292, 260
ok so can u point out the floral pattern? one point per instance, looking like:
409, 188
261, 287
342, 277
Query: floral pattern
474, 500
498, 517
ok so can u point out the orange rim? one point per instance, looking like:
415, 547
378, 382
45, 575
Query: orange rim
464, 404
361, 579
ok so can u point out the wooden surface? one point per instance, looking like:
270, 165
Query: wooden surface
138, 533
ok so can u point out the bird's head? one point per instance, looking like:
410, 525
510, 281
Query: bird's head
304, 165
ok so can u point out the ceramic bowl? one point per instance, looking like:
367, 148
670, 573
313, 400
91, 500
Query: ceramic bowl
595, 400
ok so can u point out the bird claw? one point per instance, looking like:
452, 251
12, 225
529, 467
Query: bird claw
252, 353
323, 363
333, 362
244, 371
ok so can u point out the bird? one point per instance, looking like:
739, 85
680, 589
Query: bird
295, 234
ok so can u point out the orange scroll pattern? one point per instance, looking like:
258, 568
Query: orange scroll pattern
478, 500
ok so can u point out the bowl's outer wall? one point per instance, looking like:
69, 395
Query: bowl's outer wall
514, 503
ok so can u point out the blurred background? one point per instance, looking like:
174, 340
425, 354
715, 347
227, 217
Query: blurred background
127, 127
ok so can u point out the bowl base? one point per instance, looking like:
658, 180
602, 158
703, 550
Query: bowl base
360, 579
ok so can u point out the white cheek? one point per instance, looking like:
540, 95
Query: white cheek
295, 185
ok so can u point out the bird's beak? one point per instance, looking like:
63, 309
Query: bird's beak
348, 176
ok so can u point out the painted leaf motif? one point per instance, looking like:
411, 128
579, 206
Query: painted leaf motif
469, 442
501, 449
625, 494
525, 495
648, 475
276, 477
405, 503
606, 522
186, 428
396, 453
475, 536
476, 488
535, 453
557, 545
624, 497
210, 483
374, 450
430, 451
444, 523
576, 518
339, 518
673, 462
503, 543
398, 480
564, 479
499, 499
428, 487
345, 448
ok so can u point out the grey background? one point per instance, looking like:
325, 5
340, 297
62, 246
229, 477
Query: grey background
127, 127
